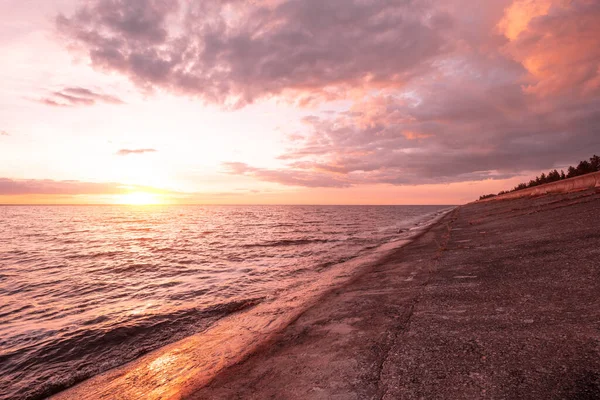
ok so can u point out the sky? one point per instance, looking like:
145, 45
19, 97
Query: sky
292, 101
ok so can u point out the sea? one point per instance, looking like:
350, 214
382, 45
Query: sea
84, 289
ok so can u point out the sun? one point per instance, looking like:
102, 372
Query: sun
138, 199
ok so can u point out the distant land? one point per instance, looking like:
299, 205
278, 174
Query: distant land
583, 168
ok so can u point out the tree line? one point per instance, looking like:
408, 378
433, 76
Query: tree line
584, 167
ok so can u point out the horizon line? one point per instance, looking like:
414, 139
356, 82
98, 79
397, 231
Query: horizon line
210, 204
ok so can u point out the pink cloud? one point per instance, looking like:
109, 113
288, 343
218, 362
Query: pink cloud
437, 95
78, 96
410, 135
12, 187
126, 152
287, 177
561, 49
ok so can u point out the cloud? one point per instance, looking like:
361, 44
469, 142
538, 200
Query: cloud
15, 187
436, 95
561, 49
474, 122
286, 176
487, 133
126, 152
238, 51
78, 96
410, 135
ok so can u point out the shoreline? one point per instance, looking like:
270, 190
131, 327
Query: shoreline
179, 369
498, 301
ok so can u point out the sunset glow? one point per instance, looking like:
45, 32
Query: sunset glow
139, 199
299, 199
97, 96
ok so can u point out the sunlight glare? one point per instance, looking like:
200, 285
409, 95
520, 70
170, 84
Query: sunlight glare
138, 199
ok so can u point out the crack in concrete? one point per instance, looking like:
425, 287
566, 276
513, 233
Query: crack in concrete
401, 328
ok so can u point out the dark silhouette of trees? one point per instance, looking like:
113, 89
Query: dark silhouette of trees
584, 167
553, 176
595, 163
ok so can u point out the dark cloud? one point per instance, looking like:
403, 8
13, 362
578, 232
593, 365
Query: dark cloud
126, 152
442, 139
469, 124
78, 96
237, 51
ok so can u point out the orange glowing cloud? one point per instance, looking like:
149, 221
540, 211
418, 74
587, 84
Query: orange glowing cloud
558, 43
518, 15
414, 135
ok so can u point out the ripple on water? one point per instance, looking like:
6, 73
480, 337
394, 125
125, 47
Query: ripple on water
84, 289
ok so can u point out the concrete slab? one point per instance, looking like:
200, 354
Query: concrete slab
500, 300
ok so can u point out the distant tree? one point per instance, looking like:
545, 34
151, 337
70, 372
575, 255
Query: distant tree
595, 163
553, 176
583, 168
562, 174
486, 196
571, 172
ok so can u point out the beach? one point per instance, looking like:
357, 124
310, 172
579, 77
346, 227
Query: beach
177, 291
300, 199
178, 369
498, 300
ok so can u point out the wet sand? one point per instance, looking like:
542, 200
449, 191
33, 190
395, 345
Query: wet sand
499, 300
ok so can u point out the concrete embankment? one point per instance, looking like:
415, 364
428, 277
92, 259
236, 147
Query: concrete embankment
498, 301
583, 182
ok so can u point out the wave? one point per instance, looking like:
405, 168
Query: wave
287, 242
120, 343
232, 339
77, 272
96, 254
